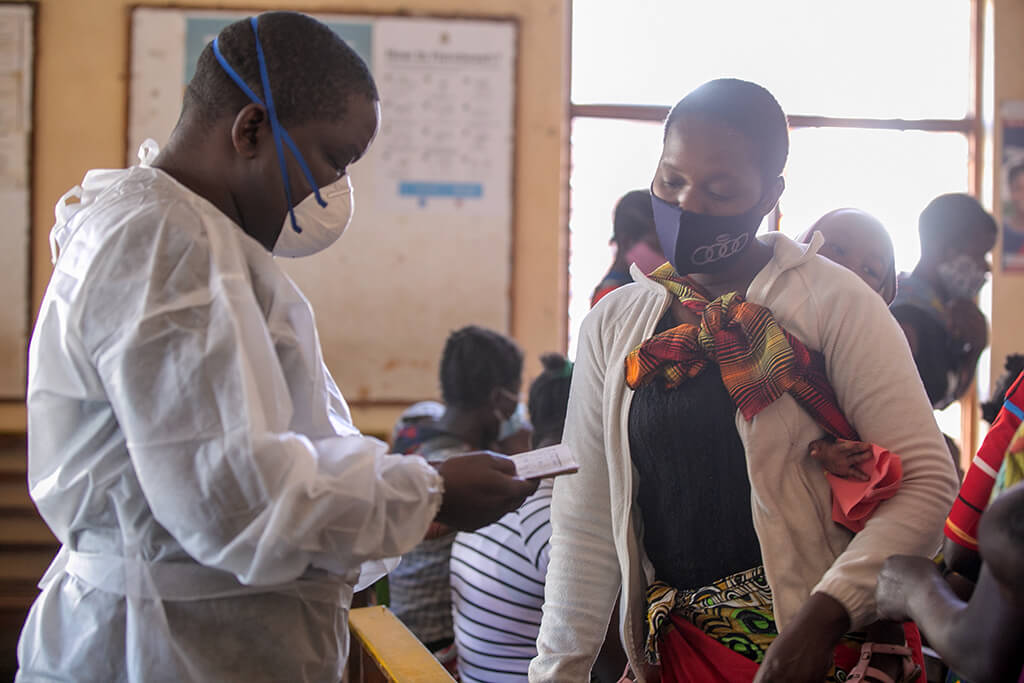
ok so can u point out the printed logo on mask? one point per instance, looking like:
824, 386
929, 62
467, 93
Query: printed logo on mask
703, 243
723, 247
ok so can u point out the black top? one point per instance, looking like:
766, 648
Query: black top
693, 493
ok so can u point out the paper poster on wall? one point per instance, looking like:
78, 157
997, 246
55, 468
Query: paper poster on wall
16, 72
429, 247
1012, 193
446, 130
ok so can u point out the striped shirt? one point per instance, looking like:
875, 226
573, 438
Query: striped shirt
420, 596
497, 576
963, 520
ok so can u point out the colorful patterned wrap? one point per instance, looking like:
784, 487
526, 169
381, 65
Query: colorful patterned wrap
758, 359
736, 613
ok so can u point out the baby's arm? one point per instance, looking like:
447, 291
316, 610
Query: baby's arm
841, 458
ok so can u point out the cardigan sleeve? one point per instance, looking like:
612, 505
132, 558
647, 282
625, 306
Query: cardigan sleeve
583, 575
880, 392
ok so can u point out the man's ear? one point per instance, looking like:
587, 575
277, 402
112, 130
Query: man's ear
772, 194
250, 130
494, 396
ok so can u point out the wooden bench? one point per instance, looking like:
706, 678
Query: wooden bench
385, 651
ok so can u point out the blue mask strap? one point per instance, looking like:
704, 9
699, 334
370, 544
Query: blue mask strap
277, 130
275, 125
284, 134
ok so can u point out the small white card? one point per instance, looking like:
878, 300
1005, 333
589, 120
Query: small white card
545, 462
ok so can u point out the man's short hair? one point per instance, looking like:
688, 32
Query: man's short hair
949, 219
312, 71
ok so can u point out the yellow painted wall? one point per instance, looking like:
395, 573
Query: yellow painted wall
1007, 289
81, 95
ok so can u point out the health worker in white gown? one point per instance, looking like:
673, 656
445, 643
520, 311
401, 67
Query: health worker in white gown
215, 504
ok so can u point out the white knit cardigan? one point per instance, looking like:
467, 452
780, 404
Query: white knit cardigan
596, 537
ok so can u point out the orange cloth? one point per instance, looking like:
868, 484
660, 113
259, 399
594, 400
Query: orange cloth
853, 501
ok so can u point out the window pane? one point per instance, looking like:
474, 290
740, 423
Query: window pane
891, 174
871, 58
609, 158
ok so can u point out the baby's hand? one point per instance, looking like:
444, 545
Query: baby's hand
842, 458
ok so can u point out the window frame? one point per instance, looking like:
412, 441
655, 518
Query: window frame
971, 126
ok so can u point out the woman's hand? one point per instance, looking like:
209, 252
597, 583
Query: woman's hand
803, 651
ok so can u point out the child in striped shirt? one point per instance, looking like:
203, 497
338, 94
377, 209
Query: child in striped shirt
497, 572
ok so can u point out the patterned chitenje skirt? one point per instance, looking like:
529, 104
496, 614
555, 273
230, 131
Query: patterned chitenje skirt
736, 612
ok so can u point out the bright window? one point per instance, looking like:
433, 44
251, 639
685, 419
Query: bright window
889, 173
878, 93
875, 58
609, 158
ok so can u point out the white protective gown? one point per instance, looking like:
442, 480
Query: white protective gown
191, 452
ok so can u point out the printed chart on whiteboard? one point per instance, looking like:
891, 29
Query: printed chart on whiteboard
429, 247
445, 133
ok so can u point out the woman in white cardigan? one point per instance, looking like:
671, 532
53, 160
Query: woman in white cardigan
671, 487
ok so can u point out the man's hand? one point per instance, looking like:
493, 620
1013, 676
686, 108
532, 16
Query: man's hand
963, 561
803, 651
970, 331
842, 458
900, 575
479, 488
967, 323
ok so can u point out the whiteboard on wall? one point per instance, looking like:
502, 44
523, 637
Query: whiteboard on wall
16, 74
429, 247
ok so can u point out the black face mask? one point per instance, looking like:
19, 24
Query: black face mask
699, 243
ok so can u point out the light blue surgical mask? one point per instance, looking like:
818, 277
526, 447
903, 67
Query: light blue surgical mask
514, 423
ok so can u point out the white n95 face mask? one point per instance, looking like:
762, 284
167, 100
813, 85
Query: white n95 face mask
320, 226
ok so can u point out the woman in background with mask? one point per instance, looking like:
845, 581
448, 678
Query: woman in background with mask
481, 375
635, 240
935, 302
694, 394
498, 572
